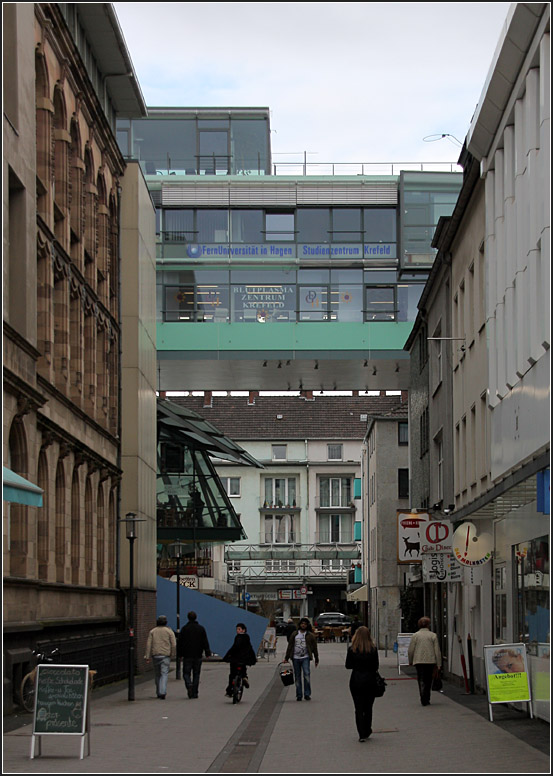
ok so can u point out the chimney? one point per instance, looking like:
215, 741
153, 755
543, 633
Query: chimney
252, 397
404, 397
208, 399
355, 393
307, 395
163, 394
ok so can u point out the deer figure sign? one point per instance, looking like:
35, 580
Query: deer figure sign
410, 546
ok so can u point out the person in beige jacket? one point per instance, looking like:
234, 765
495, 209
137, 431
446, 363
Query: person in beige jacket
424, 653
161, 647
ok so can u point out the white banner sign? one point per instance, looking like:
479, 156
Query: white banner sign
440, 567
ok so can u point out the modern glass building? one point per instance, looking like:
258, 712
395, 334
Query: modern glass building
294, 271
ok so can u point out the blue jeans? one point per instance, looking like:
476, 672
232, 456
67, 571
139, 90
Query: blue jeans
301, 665
191, 667
161, 671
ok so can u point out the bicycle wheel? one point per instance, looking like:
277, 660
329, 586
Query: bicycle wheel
27, 692
237, 689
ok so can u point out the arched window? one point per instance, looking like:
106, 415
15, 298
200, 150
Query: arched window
102, 400
113, 259
18, 512
75, 527
61, 168
103, 240
111, 539
90, 235
43, 519
44, 110
88, 532
76, 319
45, 289
100, 535
60, 523
76, 202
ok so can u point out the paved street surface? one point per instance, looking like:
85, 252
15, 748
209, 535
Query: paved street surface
270, 732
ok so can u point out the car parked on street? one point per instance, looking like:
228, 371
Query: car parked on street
332, 620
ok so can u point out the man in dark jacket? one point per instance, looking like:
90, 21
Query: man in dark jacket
191, 645
240, 654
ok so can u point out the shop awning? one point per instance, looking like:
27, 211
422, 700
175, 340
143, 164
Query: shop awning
361, 594
18, 490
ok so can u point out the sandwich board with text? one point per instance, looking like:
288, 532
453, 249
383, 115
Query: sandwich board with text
507, 675
61, 704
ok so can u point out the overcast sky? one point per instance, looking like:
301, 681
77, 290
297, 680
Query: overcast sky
346, 82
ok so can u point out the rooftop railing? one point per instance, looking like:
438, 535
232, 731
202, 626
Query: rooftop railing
305, 168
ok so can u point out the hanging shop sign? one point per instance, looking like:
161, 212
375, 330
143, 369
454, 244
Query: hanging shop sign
410, 529
507, 675
471, 548
440, 567
437, 535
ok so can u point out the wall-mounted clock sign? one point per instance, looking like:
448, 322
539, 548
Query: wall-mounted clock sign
471, 548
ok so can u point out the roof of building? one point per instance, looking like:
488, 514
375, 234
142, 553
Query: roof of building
294, 417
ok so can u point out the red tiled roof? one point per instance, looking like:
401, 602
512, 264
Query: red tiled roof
294, 417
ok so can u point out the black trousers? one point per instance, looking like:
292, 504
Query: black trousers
191, 668
363, 703
233, 671
425, 673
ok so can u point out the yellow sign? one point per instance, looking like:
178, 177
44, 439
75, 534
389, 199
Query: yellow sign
506, 688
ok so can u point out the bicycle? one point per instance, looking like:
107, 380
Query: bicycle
238, 684
27, 690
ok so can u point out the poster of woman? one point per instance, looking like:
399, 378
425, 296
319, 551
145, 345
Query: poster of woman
507, 674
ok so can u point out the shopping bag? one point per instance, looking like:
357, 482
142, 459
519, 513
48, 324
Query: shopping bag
286, 673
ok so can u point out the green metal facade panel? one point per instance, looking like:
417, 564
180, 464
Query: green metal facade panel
196, 337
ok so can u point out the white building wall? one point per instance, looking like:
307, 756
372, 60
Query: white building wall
518, 280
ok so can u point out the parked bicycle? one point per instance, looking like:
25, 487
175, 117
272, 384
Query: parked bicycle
27, 691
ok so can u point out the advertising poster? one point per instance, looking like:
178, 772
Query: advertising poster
403, 641
507, 673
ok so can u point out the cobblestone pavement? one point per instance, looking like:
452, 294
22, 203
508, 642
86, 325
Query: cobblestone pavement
269, 732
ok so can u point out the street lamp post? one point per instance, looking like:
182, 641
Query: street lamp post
131, 521
176, 549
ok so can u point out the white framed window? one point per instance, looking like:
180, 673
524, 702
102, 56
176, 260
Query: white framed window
278, 529
335, 452
234, 566
279, 492
280, 566
232, 486
278, 452
335, 528
335, 491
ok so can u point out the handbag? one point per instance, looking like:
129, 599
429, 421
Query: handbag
379, 685
437, 683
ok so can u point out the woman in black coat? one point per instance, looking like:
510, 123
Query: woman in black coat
362, 658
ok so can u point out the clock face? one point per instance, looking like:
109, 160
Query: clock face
471, 548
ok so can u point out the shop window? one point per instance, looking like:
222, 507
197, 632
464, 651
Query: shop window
532, 594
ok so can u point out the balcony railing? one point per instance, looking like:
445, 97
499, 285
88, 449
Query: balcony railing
301, 168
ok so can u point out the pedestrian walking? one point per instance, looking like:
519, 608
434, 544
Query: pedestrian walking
424, 653
289, 629
302, 648
192, 643
161, 647
362, 659
240, 654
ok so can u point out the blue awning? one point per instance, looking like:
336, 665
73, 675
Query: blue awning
19, 490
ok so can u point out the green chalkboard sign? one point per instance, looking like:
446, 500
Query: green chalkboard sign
60, 700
